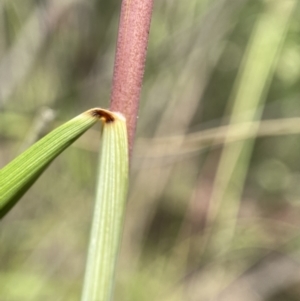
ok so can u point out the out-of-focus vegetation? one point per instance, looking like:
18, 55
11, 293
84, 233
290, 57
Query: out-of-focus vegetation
201, 224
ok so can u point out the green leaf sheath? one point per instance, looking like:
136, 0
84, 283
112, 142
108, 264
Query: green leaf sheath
21, 173
108, 213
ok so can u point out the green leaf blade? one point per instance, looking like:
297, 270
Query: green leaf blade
17, 177
108, 213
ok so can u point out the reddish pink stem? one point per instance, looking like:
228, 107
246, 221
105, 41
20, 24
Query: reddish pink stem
130, 61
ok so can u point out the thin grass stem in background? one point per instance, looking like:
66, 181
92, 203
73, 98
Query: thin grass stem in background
198, 141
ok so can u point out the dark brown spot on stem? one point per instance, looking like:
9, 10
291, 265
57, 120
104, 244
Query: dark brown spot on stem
103, 114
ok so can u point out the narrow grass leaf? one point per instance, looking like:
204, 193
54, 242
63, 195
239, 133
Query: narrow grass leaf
21, 173
108, 213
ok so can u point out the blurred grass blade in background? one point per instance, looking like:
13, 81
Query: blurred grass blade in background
109, 211
248, 99
17, 177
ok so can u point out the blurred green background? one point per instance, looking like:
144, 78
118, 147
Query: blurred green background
214, 203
